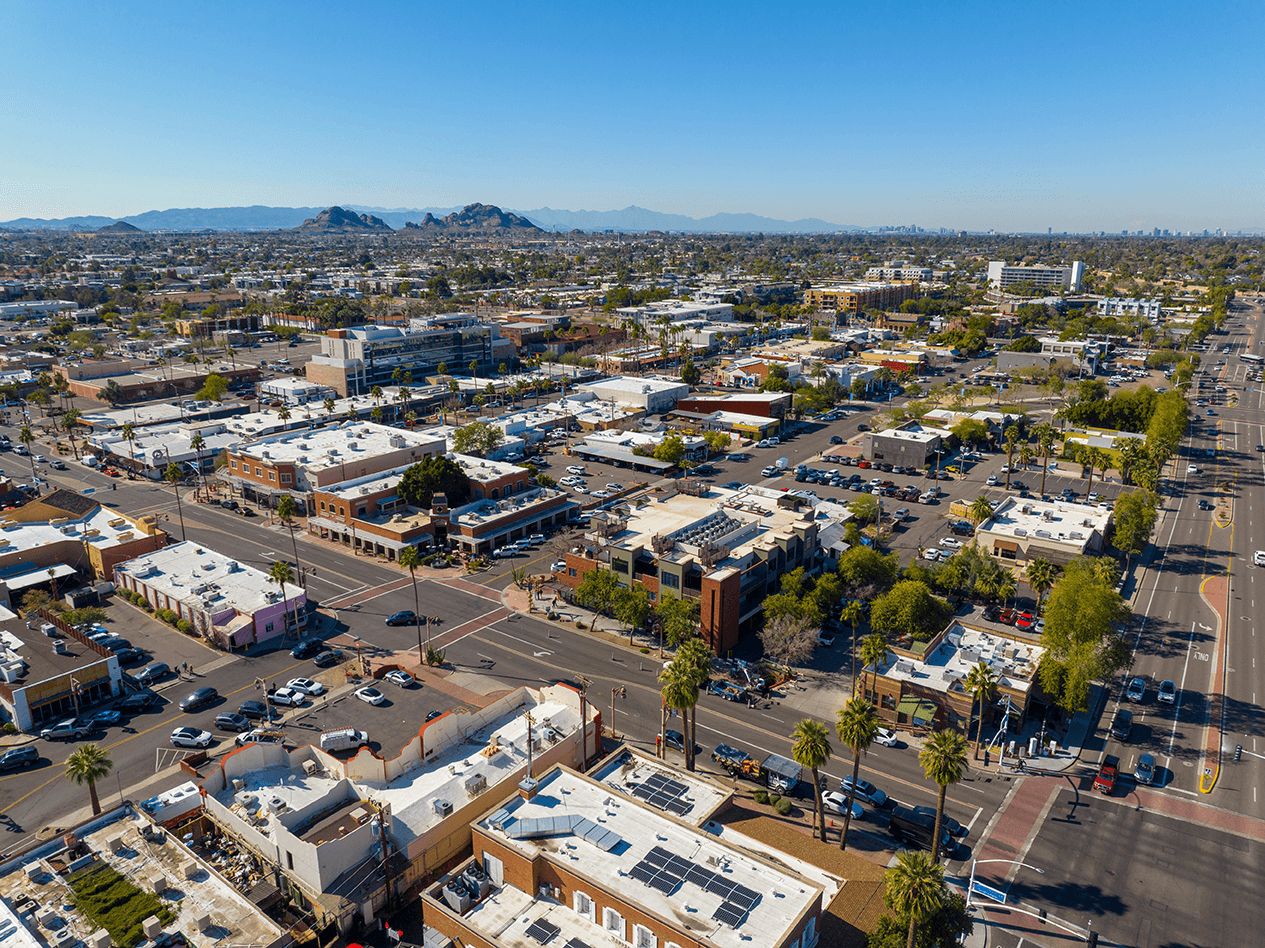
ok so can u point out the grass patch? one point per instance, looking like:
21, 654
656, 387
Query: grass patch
116, 904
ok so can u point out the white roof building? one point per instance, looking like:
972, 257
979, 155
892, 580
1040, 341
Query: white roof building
1021, 530
650, 394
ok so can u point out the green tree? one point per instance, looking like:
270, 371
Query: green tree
865, 508
632, 607
287, 510
479, 438
1012, 442
866, 572
943, 760
282, 573
874, 655
1083, 637
69, 422
690, 373
981, 509
434, 474
213, 388
1046, 436
172, 476
856, 726
680, 691
1041, 574
1135, 516
129, 435
679, 619
915, 890
850, 616
908, 608
671, 449
411, 559
89, 764
981, 682
947, 928
717, 441
810, 747
969, 431
598, 590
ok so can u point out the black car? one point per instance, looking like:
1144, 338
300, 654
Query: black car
198, 699
233, 721
949, 823
835, 439
16, 757
405, 617
129, 656
307, 649
254, 709
331, 656
140, 701
154, 671
228, 504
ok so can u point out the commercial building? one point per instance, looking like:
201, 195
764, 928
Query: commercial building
652, 395
314, 818
652, 315
1150, 310
1058, 531
725, 548
571, 859
856, 298
920, 686
140, 382
153, 447
1002, 275
910, 445
291, 391
922, 274
353, 361
300, 462
227, 603
764, 404
803, 351
896, 360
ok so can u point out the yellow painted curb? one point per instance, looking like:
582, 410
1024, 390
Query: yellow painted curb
1209, 780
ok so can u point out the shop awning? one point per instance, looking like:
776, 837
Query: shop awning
918, 710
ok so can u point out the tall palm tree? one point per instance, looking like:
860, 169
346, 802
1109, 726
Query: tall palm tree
410, 559
915, 889
981, 682
172, 474
1012, 442
26, 438
1041, 575
943, 760
1004, 585
376, 394
283, 414
851, 614
69, 422
198, 444
329, 406
1045, 441
129, 435
873, 654
681, 692
980, 510
87, 765
694, 657
1026, 456
811, 748
856, 727
282, 573
287, 509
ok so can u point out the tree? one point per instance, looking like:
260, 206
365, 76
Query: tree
810, 747
679, 619
908, 608
172, 475
1083, 635
680, 691
690, 373
213, 388
129, 435
287, 509
717, 441
598, 589
282, 573
89, 764
1012, 441
410, 560
1045, 442
865, 508
788, 640
865, 571
198, 444
980, 510
981, 682
632, 607
943, 760
434, 474
947, 928
1135, 515
479, 438
850, 615
915, 889
856, 726
69, 422
694, 661
113, 393
969, 431
874, 654
1041, 575
671, 449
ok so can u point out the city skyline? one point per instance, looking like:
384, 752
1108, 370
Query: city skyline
1097, 121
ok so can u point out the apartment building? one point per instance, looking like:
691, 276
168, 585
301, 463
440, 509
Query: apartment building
856, 298
1002, 275
675, 311
353, 361
922, 274
1150, 310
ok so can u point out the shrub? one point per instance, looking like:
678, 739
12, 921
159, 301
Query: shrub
760, 796
551, 616
184, 625
783, 807
426, 560
168, 616
774, 798
10, 727
579, 624
116, 904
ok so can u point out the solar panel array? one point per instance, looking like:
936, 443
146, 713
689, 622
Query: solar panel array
576, 943
665, 872
571, 824
542, 930
664, 793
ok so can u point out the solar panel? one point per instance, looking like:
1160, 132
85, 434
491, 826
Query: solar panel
720, 886
665, 882
659, 799
643, 791
542, 930
643, 872
675, 788
729, 914
656, 780
744, 897
679, 807
658, 856
678, 866
576, 943
700, 876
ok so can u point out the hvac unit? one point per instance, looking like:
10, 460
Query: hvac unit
476, 784
442, 807
457, 897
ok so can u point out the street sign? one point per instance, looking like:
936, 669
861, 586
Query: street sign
997, 895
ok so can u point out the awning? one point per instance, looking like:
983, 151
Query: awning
919, 710
604, 453
36, 576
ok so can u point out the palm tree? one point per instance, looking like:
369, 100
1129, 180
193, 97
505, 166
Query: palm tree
1026, 456
694, 658
856, 727
376, 393
915, 889
172, 474
27, 438
873, 654
851, 614
283, 414
286, 511
681, 692
129, 435
980, 510
1012, 442
282, 573
198, 444
943, 760
981, 682
87, 765
410, 559
329, 405
811, 748
69, 421
1041, 575
1004, 585
1045, 440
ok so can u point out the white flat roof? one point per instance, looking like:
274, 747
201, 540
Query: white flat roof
781, 896
920, 435
177, 569
111, 529
1054, 521
633, 384
352, 439
632, 769
962, 649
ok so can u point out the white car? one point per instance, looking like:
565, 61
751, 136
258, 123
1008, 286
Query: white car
931, 554
580, 489
885, 737
599, 494
39, 459
1192, 468
558, 566
287, 696
577, 469
370, 695
832, 801
951, 543
306, 686
1258, 558
191, 737
824, 639
992, 480
398, 677
614, 487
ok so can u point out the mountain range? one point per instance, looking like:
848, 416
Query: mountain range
631, 219
334, 220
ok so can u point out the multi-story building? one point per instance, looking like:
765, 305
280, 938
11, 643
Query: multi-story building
674, 311
353, 361
725, 548
910, 445
1002, 275
1150, 310
574, 859
300, 462
856, 298
224, 601
649, 394
922, 274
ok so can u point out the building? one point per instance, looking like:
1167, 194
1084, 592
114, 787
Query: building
1002, 275
300, 462
225, 602
919, 686
1150, 310
653, 315
910, 445
1084, 353
856, 298
922, 274
896, 361
292, 391
353, 361
313, 818
726, 548
142, 382
153, 447
1059, 531
651, 395
764, 404
573, 859
803, 351
37, 308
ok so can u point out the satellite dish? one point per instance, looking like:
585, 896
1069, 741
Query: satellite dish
158, 455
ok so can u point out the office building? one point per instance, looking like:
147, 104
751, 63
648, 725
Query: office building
1002, 275
910, 445
856, 298
1020, 530
922, 274
1150, 310
652, 395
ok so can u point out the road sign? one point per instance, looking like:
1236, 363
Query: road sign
997, 895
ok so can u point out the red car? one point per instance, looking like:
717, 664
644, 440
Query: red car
1025, 620
1006, 617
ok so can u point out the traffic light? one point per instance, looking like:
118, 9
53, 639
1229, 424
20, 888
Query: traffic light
1092, 941
1238, 752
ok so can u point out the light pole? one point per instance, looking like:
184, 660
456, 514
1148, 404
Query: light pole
970, 888
619, 692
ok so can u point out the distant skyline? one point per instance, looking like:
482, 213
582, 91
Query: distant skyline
1084, 117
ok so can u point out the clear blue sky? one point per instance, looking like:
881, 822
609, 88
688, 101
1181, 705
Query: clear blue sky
1017, 116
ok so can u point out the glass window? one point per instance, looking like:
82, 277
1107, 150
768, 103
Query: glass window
613, 922
584, 906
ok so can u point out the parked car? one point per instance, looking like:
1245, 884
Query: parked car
1144, 773
254, 709
370, 695
70, 729
1122, 724
331, 656
1025, 620
129, 656
232, 721
951, 543
397, 677
864, 790
952, 826
198, 699
104, 718
832, 801
138, 701
156, 671
306, 686
287, 697
191, 737
19, 757
886, 737
259, 736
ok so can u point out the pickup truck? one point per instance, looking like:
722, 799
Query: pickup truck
1105, 782
727, 690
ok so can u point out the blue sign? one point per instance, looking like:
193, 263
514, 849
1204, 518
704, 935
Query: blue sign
997, 895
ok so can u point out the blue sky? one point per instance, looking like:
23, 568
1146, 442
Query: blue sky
1075, 116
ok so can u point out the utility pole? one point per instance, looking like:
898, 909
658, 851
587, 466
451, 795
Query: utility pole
384, 814
584, 725
619, 692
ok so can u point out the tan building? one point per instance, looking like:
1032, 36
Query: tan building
856, 298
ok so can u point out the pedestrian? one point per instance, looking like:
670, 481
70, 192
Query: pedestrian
986, 761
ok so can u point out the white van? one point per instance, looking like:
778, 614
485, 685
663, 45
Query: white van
343, 738
90, 460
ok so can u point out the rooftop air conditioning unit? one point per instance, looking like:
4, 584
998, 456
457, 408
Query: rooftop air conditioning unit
476, 784
442, 807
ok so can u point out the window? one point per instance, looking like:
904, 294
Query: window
268, 627
810, 932
272, 475
232, 462
259, 471
613, 922
322, 505
584, 907
285, 478
644, 937
620, 566
671, 580
290, 860
342, 511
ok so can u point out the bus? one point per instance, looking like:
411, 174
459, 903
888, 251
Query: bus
1252, 359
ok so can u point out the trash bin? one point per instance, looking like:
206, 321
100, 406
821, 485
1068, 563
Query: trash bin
1032, 747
